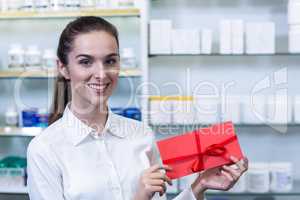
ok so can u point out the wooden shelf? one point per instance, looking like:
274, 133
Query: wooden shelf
134, 72
225, 55
21, 132
132, 12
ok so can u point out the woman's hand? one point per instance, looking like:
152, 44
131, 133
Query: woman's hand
221, 178
153, 180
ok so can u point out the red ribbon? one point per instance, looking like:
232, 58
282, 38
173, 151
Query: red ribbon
212, 150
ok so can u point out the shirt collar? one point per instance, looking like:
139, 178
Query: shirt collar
80, 130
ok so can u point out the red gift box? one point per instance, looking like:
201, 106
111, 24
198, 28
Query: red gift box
201, 149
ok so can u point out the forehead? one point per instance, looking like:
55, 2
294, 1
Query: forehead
96, 42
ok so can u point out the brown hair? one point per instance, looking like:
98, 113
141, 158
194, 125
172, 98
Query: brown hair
81, 25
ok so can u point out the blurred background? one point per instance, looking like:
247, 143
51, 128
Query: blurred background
185, 64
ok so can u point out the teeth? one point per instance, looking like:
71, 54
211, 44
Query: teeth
97, 86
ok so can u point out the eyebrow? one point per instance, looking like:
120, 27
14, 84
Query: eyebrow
89, 56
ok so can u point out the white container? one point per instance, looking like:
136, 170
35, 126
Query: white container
258, 178
225, 37
72, 4
294, 39
185, 41
293, 12
126, 3
160, 110
207, 110
260, 38
102, 4
15, 56
3, 5
254, 109
160, 36
42, 5
279, 109
14, 5
87, 4
237, 36
28, 5
57, 5
49, 59
206, 41
128, 58
183, 110
33, 57
11, 116
281, 177
231, 109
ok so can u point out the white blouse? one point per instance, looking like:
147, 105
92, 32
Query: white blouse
68, 161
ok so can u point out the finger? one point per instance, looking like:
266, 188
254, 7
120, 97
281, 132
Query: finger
157, 167
156, 182
227, 175
241, 164
233, 172
159, 175
159, 189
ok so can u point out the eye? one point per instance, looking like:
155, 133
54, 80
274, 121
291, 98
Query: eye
111, 61
85, 62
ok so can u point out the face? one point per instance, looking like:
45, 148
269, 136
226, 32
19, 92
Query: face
93, 68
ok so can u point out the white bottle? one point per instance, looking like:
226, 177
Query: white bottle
15, 56
126, 3
14, 5
128, 59
72, 4
49, 59
102, 4
3, 5
28, 5
42, 5
33, 57
281, 177
11, 116
57, 5
87, 4
258, 178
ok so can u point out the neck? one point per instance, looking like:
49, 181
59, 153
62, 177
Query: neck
93, 116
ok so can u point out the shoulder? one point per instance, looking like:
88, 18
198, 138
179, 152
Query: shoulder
49, 137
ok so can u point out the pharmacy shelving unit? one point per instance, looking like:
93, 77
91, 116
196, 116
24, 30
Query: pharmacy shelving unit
70, 14
6, 74
186, 14
140, 14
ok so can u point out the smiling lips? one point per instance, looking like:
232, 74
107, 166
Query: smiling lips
99, 88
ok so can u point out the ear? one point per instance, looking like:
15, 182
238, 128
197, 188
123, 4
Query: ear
63, 70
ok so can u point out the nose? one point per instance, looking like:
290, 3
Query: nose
99, 71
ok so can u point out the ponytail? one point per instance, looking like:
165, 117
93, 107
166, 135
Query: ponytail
61, 97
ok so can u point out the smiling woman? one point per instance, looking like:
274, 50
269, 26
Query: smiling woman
90, 153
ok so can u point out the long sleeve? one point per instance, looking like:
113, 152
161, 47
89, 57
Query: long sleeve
44, 179
154, 157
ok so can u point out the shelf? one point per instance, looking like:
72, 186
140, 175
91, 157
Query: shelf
224, 55
20, 132
8, 190
134, 72
211, 193
132, 12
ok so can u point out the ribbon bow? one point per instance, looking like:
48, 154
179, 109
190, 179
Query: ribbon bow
212, 150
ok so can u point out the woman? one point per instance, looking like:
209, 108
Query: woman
90, 153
